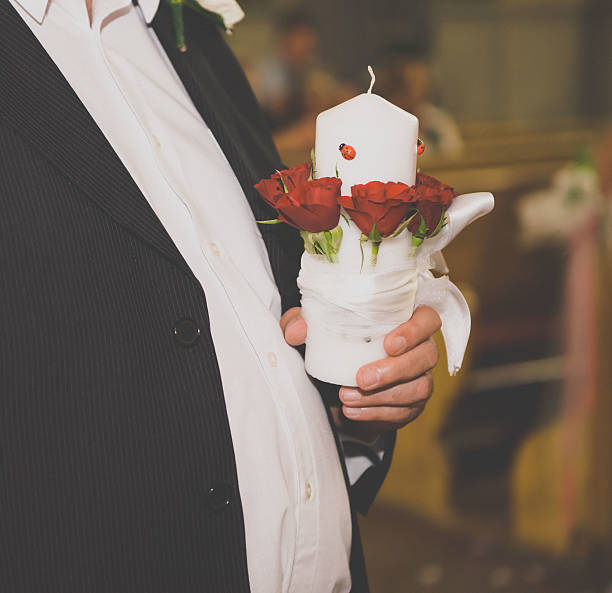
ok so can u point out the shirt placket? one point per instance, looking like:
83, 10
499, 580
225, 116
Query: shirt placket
262, 332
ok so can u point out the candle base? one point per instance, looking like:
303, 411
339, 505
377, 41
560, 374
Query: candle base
351, 305
336, 359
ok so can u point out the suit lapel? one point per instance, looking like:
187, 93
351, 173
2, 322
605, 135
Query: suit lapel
38, 103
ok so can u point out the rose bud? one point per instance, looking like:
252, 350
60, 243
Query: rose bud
432, 198
430, 189
295, 176
376, 203
271, 190
430, 213
312, 206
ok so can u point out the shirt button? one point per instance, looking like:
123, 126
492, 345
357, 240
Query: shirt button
272, 359
186, 332
308, 490
156, 141
215, 249
219, 496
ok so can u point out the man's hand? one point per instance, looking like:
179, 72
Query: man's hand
393, 391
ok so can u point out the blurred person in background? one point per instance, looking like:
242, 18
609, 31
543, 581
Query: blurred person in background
282, 77
407, 83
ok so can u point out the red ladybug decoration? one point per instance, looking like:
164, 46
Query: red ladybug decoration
420, 146
347, 151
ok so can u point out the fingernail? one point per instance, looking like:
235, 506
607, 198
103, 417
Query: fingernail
350, 395
398, 344
369, 377
352, 412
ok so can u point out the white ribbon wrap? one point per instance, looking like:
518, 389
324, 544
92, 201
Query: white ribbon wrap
350, 308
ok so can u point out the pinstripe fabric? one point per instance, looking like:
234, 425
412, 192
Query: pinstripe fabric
111, 434
44, 108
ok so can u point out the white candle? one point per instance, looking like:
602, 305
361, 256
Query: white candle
380, 141
349, 305
383, 136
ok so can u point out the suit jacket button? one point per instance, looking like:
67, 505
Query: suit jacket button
219, 496
186, 332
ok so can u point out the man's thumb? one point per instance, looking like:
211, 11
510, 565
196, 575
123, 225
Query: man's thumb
294, 327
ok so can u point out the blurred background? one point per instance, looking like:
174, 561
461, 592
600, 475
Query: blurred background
505, 482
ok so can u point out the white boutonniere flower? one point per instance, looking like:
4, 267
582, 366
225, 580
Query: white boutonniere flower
229, 11
225, 13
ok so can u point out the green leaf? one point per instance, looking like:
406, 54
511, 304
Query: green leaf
319, 249
308, 243
324, 243
337, 174
441, 224
275, 221
421, 232
337, 234
282, 181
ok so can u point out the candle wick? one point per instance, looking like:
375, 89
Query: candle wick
372, 79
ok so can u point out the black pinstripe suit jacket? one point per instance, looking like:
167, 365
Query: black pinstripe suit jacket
114, 470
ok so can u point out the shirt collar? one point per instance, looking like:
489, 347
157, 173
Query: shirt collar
229, 10
37, 9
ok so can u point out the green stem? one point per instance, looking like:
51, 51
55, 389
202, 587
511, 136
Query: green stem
177, 21
275, 221
363, 239
374, 258
402, 226
313, 169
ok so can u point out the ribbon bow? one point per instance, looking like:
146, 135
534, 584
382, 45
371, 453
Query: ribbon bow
440, 293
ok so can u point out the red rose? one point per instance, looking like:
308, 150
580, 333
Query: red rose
429, 188
383, 204
431, 213
272, 189
312, 206
294, 176
432, 199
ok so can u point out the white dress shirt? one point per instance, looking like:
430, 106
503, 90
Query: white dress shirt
296, 512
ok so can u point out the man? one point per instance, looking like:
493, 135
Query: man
158, 434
